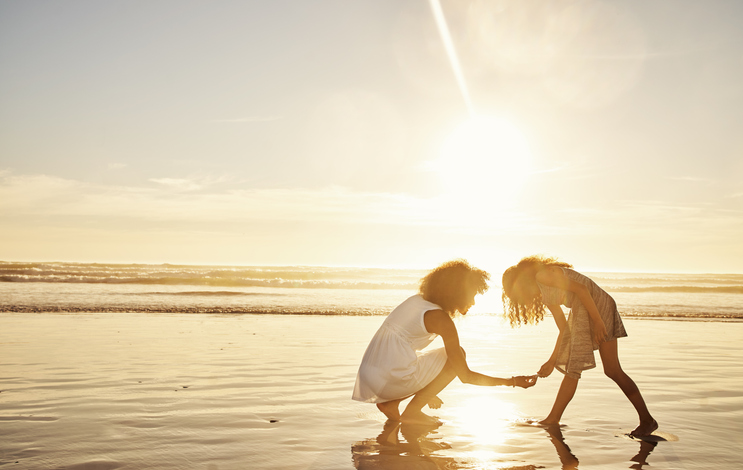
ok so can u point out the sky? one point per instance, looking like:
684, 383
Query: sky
367, 133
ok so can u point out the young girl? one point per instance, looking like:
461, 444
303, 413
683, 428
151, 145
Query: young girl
394, 368
594, 323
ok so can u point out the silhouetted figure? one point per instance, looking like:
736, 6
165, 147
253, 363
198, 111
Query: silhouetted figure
394, 368
593, 323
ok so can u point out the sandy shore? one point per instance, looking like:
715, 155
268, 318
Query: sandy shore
176, 391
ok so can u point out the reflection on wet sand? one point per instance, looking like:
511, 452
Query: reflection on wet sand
416, 447
642, 456
388, 451
416, 450
570, 462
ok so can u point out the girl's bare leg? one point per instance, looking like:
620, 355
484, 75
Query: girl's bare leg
564, 395
612, 368
413, 413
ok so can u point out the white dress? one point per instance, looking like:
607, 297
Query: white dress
393, 366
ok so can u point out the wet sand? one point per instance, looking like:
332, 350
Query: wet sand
181, 391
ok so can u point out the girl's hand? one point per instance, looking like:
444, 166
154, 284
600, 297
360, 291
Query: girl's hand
525, 381
546, 369
599, 332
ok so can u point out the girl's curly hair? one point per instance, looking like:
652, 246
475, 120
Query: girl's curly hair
519, 310
447, 285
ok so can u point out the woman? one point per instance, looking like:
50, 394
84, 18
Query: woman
394, 368
594, 323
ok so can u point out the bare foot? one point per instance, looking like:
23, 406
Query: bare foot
645, 429
435, 403
419, 418
548, 422
390, 409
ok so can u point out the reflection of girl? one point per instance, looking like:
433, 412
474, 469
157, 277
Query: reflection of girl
394, 368
594, 323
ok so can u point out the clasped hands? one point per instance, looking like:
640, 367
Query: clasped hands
524, 381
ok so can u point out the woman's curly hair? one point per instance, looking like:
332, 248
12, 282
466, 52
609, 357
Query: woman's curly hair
525, 311
447, 285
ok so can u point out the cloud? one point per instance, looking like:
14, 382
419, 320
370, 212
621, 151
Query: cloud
250, 119
177, 183
694, 179
293, 223
203, 200
206, 200
656, 219
192, 183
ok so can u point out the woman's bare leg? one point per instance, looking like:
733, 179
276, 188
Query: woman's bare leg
612, 368
391, 409
564, 395
413, 413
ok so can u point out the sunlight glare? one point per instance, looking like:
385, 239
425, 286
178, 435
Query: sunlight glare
485, 421
489, 155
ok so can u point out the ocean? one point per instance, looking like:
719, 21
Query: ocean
166, 288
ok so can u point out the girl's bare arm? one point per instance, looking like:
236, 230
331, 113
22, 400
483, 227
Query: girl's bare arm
559, 317
554, 276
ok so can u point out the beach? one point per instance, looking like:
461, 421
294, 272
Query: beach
208, 391
208, 209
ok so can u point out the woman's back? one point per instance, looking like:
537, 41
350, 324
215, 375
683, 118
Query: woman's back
407, 320
392, 367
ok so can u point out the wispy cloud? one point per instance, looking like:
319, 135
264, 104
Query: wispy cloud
192, 183
693, 179
624, 233
204, 200
178, 183
250, 119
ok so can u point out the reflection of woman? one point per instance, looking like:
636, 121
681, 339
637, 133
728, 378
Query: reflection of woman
594, 323
394, 368
388, 452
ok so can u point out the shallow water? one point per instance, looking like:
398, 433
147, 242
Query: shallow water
65, 297
76, 287
137, 391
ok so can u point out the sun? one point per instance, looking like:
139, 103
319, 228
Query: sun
487, 155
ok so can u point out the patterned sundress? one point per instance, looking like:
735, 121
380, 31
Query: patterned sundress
575, 353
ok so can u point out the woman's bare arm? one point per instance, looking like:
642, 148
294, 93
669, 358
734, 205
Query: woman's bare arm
439, 322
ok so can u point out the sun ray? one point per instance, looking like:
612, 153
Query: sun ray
451, 52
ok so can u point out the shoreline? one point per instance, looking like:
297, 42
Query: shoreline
253, 311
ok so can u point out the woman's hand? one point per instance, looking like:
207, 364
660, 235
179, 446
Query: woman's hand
546, 369
599, 331
435, 403
524, 381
